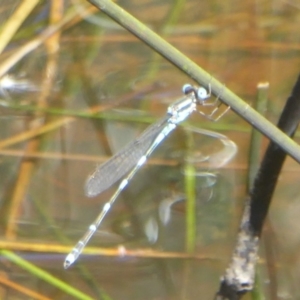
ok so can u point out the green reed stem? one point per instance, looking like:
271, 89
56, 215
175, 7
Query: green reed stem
161, 46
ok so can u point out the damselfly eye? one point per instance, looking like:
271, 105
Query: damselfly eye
187, 88
202, 93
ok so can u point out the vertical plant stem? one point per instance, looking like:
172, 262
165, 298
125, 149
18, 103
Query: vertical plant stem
256, 137
190, 191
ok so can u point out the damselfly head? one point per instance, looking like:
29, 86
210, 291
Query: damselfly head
202, 93
187, 89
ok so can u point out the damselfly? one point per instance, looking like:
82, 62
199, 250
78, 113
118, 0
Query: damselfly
134, 155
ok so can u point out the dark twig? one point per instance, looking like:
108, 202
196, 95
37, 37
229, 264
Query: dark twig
267, 176
239, 277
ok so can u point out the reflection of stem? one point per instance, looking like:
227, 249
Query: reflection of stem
221, 158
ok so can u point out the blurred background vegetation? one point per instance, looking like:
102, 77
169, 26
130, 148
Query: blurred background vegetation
75, 87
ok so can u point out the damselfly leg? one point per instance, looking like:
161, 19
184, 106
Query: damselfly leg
202, 96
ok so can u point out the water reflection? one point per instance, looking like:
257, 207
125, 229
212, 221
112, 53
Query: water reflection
152, 210
205, 180
157, 205
215, 159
